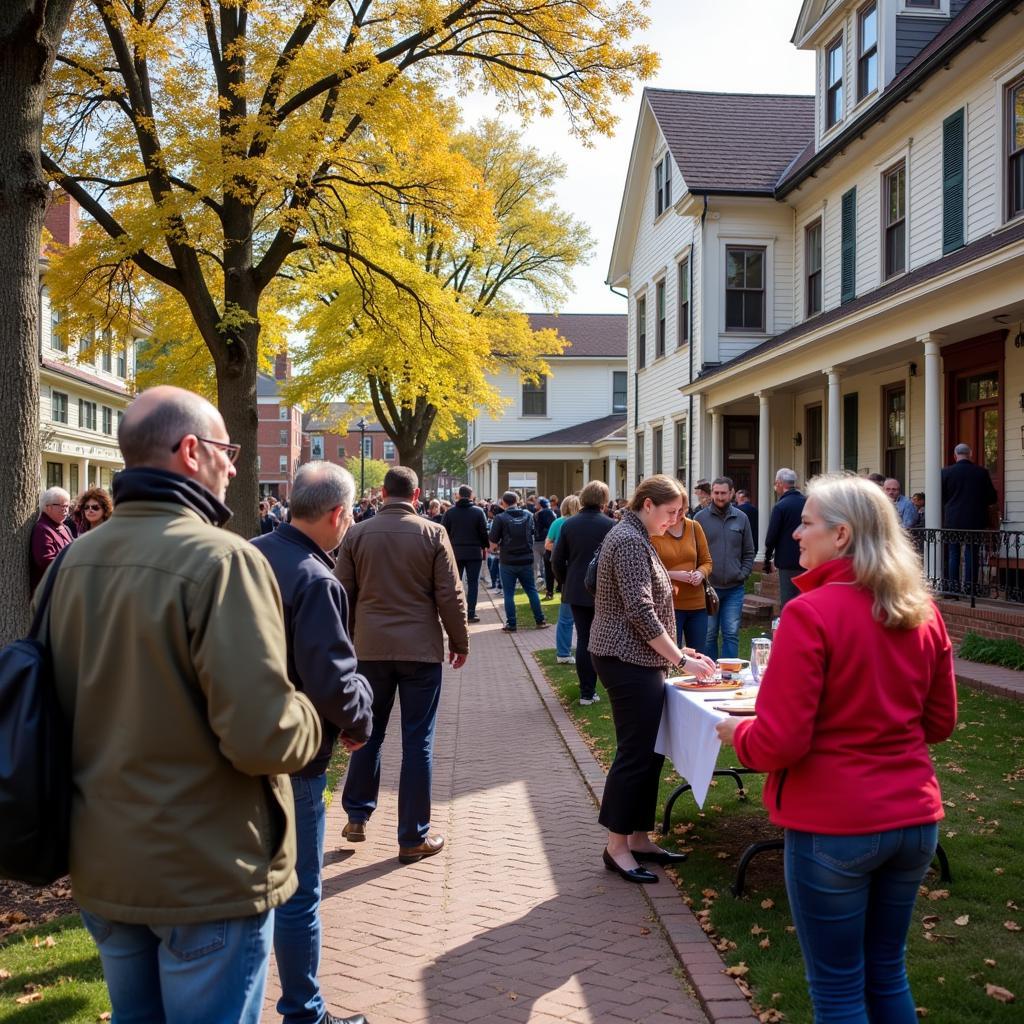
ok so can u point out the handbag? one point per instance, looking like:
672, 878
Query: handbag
590, 576
711, 602
35, 757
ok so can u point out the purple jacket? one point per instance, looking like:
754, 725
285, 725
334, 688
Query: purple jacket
48, 540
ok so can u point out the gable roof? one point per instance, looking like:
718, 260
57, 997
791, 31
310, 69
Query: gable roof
338, 418
732, 143
600, 335
589, 432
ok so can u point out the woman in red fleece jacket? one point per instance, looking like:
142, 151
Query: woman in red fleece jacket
860, 682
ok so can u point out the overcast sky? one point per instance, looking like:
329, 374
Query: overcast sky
708, 45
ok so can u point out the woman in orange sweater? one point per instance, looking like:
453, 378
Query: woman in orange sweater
683, 550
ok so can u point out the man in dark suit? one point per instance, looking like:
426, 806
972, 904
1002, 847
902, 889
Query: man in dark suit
744, 505
967, 496
778, 542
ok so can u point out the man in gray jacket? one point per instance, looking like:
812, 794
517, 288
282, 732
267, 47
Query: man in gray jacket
732, 554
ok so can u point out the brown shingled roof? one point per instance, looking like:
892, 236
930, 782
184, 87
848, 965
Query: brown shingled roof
590, 334
730, 143
583, 433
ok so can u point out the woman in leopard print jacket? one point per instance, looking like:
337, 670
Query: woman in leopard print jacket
632, 643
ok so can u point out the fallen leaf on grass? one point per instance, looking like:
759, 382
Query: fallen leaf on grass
997, 871
104, 1016
738, 971
645, 931
989, 962
765, 943
1011, 905
757, 930
722, 855
791, 928
1011, 926
999, 994
921, 1011
962, 920
30, 997
4, 975
771, 1016
930, 919
938, 894
709, 894
767, 904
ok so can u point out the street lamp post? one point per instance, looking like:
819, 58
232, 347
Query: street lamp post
362, 456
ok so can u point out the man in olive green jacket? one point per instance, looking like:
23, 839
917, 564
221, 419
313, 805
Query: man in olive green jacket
169, 656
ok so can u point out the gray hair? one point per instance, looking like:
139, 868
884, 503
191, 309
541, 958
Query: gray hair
787, 477
50, 494
962, 449
318, 488
146, 438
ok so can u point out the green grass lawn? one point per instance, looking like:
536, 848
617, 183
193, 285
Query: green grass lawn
965, 934
56, 970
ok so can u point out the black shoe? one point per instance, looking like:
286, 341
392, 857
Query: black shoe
639, 875
473, 618
329, 1018
658, 857
508, 629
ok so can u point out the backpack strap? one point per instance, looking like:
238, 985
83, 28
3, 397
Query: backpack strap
44, 599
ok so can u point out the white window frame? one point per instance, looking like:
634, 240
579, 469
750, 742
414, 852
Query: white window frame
546, 414
368, 446
316, 447
284, 412
282, 464
1002, 78
941, 9
625, 408
840, 39
904, 162
389, 450
67, 406
766, 242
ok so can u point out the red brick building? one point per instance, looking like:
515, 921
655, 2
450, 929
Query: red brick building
280, 432
322, 437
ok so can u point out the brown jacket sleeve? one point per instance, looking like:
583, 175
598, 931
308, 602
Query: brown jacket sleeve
448, 595
345, 570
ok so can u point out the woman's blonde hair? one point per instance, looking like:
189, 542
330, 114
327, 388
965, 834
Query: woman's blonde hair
661, 489
570, 506
884, 560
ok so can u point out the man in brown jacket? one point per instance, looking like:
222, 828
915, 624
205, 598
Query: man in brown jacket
169, 658
399, 572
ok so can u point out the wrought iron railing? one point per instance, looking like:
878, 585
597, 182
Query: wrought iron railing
977, 564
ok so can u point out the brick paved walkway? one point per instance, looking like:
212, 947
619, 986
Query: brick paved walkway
515, 920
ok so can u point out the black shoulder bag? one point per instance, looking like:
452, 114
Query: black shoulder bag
35, 758
590, 576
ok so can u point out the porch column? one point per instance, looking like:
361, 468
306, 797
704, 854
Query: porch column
586, 471
764, 468
83, 482
716, 444
835, 454
613, 477
495, 495
932, 432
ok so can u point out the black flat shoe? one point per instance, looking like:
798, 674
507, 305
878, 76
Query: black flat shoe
658, 857
639, 875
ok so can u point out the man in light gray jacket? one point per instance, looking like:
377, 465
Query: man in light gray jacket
732, 555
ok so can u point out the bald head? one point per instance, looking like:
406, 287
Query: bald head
158, 419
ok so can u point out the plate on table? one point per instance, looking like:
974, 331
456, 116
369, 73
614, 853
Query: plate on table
693, 683
745, 706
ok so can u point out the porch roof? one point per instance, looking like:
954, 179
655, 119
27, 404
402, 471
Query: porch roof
587, 433
983, 246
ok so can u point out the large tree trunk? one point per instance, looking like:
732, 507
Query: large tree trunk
236, 399
29, 34
410, 453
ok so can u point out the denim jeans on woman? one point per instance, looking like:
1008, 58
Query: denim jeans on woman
730, 613
204, 973
692, 628
563, 631
852, 899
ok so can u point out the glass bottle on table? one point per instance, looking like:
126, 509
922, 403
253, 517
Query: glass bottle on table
760, 650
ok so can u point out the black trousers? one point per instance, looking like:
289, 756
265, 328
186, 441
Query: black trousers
637, 696
583, 617
549, 573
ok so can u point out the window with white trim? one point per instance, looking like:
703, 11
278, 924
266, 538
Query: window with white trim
535, 397
834, 83
1015, 148
58, 407
745, 288
894, 196
867, 50
389, 451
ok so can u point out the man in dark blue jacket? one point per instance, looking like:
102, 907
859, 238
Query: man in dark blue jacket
512, 538
968, 495
322, 665
467, 530
778, 541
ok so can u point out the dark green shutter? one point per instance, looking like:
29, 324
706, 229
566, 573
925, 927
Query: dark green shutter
851, 430
953, 182
848, 276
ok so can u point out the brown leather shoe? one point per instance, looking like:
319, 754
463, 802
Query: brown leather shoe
354, 832
429, 846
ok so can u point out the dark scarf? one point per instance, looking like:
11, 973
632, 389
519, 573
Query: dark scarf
148, 484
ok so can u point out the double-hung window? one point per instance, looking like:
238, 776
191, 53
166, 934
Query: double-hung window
641, 332
282, 437
659, 338
1015, 148
86, 414
683, 321
389, 450
367, 447
57, 340
122, 362
620, 385
58, 407
812, 263
108, 419
107, 358
535, 397
894, 192
834, 83
867, 50
639, 456
657, 444
681, 450
744, 289
662, 185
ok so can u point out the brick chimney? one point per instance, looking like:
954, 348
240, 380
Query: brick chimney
62, 218
282, 366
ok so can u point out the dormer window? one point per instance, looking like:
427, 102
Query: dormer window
867, 50
662, 185
834, 78
923, 5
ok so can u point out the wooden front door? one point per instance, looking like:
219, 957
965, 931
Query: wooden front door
740, 453
974, 402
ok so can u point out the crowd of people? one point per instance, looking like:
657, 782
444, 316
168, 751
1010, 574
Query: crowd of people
209, 679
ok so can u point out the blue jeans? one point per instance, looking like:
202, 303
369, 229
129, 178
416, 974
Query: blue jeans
493, 564
510, 574
852, 899
953, 583
692, 627
204, 973
471, 567
730, 612
563, 631
417, 684
297, 923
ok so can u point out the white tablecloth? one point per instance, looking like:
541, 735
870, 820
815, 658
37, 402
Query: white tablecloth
687, 734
